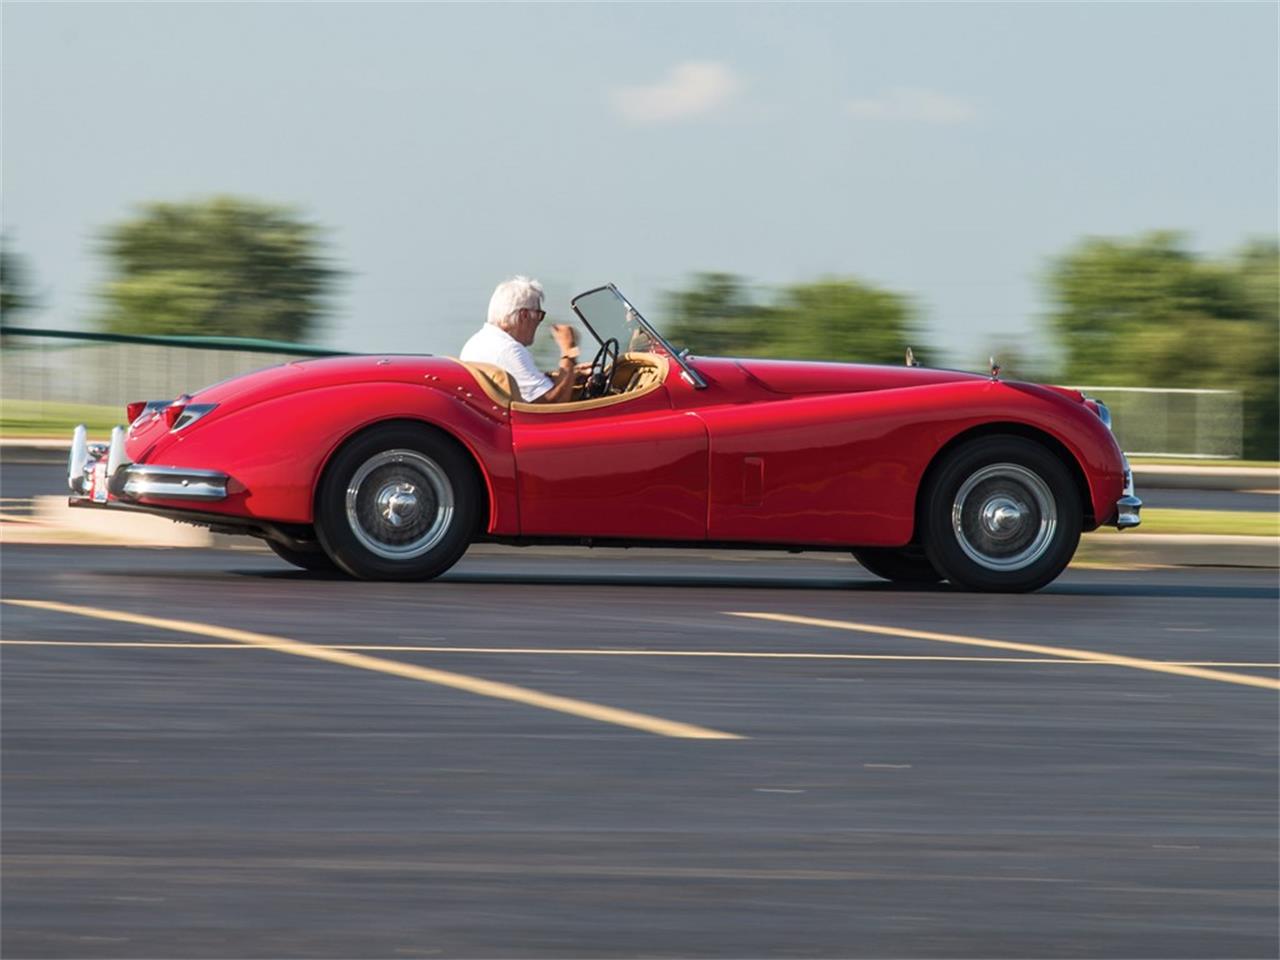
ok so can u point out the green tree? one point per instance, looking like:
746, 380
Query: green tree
716, 316
844, 319
220, 267
1147, 312
830, 319
15, 290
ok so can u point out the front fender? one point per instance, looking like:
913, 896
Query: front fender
847, 469
276, 450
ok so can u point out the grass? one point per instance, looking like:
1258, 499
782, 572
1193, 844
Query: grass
30, 418
1200, 462
1244, 523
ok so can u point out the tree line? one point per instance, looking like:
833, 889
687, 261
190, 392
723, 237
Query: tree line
1138, 311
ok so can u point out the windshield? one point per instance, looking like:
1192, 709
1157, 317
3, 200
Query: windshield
609, 316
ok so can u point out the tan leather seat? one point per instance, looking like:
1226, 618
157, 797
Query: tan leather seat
494, 381
635, 375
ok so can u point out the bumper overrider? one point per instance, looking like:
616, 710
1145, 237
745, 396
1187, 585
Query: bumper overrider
1128, 507
101, 473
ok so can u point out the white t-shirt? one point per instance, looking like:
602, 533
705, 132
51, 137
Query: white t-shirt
494, 345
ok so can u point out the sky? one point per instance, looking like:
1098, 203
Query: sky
947, 152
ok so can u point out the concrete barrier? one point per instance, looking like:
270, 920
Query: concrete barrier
1171, 477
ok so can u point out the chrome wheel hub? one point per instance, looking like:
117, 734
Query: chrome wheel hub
399, 504
1001, 517
1004, 517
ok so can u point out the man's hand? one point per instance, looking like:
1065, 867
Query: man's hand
566, 339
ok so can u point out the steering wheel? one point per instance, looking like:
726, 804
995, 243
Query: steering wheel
597, 382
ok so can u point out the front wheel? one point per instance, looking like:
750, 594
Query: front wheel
1001, 514
398, 502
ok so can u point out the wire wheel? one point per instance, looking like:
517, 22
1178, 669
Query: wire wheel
1004, 517
399, 504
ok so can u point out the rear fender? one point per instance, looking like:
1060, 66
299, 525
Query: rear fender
276, 451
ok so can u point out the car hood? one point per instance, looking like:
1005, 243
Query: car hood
794, 377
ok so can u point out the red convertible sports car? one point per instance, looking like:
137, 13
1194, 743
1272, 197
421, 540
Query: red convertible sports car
388, 467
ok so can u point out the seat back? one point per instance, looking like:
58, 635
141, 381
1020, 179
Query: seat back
494, 381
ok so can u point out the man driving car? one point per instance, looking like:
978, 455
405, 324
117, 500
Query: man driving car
515, 311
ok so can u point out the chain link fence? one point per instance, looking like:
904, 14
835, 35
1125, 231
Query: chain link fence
1151, 421
57, 377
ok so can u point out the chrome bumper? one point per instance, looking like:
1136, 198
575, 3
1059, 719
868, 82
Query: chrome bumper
100, 472
1128, 507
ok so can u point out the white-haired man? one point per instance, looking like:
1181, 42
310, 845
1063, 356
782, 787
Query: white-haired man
515, 310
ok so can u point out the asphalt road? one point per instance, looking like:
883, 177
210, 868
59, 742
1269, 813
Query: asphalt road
257, 798
21, 479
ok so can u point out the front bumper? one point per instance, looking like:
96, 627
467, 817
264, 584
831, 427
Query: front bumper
1128, 507
102, 472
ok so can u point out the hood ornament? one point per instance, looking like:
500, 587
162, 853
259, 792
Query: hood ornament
995, 370
911, 358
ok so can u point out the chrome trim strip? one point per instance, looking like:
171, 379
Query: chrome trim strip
171, 483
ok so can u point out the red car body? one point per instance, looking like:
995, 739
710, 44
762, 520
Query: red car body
712, 451
771, 452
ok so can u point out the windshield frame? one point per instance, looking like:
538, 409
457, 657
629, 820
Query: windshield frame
690, 375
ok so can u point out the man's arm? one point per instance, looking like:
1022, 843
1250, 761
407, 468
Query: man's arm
566, 376
563, 382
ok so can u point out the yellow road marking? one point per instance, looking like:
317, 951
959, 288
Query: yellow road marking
1066, 653
444, 678
630, 652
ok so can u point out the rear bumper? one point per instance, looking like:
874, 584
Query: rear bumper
171, 483
100, 473
102, 478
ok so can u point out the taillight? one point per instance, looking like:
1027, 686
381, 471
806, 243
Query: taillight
174, 410
141, 410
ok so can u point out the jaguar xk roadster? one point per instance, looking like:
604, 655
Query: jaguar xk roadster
388, 467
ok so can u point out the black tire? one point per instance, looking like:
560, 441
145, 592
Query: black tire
1001, 514
898, 564
398, 502
315, 560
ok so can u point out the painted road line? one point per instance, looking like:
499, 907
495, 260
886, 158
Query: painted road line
1066, 653
443, 678
631, 652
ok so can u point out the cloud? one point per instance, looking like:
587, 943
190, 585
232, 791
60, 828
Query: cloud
689, 89
913, 103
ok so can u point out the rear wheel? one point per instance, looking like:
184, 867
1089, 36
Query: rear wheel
899, 564
314, 559
398, 502
1001, 514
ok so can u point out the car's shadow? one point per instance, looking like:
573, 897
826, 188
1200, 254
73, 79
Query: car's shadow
1125, 584
664, 581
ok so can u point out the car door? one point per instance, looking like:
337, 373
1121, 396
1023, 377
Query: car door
630, 470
